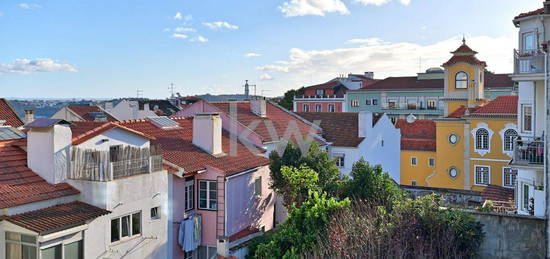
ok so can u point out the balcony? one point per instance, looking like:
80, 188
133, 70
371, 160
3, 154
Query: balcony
319, 97
528, 62
411, 108
104, 166
528, 152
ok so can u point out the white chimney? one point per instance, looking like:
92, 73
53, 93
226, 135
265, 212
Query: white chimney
48, 149
29, 116
259, 107
364, 122
207, 133
369, 75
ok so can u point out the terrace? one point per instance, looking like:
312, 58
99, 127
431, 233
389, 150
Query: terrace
528, 152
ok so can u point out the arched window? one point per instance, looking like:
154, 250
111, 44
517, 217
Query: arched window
482, 139
461, 80
509, 136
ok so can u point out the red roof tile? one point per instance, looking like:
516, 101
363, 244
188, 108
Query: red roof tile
498, 81
466, 55
464, 49
419, 135
338, 88
497, 193
501, 107
177, 148
8, 114
83, 131
339, 128
57, 217
277, 116
20, 185
243, 233
84, 110
531, 13
458, 113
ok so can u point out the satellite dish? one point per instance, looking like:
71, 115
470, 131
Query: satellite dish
411, 118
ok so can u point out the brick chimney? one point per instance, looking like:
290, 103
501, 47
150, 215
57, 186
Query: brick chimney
29, 116
259, 107
207, 133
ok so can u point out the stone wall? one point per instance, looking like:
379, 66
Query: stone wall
450, 196
512, 236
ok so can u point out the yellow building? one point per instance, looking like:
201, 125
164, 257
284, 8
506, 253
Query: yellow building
471, 145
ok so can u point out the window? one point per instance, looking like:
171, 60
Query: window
525, 197
125, 226
509, 176
374, 101
318, 108
482, 175
527, 117
411, 104
320, 92
354, 103
53, 252
528, 40
207, 252
509, 136
189, 195
482, 139
461, 80
453, 172
305, 108
20, 246
431, 162
74, 250
368, 102
208, 195
340, 160
258, 186
155, 213
453, 138
331, 108
414, 161
432, 105
413, 183
392, 104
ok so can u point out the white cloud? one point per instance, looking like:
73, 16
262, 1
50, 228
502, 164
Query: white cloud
252, 55
220, 25
179, 36
367, 41
184, 29
381, 2
266, 77
200, 39
28, 6
305, 67
313, 7
178, 16
27, 66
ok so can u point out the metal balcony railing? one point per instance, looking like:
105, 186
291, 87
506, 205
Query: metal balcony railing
318, 97
528, 62
528, 152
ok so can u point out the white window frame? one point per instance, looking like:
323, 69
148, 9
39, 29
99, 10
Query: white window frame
189, 203
208, 198
318, 108
434, 104
354, 103
430, 164
340, 160
482, 151
461, 80
488, 175
331, 108
130, 225
414, 161
507, 127
513, 179
523, 106
305, 107
21, 243
523, 41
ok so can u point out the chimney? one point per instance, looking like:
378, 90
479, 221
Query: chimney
369, 75
364, 123
146, 107
48, 148
29, 116
207, 133
547, 7
259, 107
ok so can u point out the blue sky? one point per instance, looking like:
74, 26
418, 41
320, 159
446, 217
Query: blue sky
100, 49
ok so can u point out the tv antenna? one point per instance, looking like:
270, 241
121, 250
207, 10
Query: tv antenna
171, 89
139, 93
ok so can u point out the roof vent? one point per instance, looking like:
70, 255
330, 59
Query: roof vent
164, 122
411, 118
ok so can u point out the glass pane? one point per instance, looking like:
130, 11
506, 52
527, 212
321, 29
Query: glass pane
125, 226
29, 252
74, 250
53, 252
28, 239
13, 236
136, 223
202, 203
115, 230
213, 185
202, 185
13, 251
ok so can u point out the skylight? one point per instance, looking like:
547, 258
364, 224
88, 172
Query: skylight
10, 133
163, 122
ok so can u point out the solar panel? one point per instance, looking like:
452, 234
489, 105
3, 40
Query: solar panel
163, 122
10, 133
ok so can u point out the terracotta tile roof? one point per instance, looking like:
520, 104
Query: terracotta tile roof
83, 131
8, 114
501, 107
276, 115
495, 81
243, 233
165, 107
497, 193
57, 218
419, 135
84, 112
464, 49
20, 185
458, 113
465, 59
338, 88
531, 13
177, 148
339, 128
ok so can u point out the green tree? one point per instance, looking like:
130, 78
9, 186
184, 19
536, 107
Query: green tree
288, 98
329, 177
300, 181
371, 183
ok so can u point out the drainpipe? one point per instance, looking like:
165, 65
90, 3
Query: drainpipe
545, 172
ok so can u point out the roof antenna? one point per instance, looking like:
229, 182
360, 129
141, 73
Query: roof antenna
171, 88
